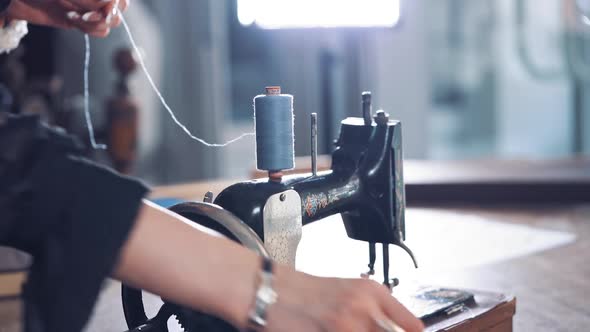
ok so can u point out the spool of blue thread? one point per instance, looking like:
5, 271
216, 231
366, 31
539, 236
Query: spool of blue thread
273, 113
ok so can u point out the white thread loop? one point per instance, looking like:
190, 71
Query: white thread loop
163, 101
87, 97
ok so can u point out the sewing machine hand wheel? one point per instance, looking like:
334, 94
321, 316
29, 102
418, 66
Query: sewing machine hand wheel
217, 219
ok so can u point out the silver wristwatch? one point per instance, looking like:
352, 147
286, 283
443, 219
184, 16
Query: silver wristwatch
265, 297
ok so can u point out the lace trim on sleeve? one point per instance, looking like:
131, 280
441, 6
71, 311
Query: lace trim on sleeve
11, 35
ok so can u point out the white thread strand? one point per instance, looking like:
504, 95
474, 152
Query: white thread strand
163, 101
87, 97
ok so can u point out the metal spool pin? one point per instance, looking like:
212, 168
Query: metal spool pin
314, 144
367, 108
367, 112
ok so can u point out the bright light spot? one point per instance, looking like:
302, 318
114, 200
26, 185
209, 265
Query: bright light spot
247, 12
277, 14
584, 9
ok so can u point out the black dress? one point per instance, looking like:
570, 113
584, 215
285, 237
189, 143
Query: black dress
71, 215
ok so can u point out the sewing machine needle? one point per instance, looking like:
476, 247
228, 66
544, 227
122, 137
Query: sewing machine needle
386, 280
314, 144
372, 257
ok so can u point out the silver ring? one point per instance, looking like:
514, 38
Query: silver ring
389, 326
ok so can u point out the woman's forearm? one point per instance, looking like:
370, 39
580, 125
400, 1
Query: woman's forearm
165, 255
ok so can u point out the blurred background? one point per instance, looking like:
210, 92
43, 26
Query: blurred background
470, 79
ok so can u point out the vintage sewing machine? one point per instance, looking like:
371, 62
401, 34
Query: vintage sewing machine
365, 186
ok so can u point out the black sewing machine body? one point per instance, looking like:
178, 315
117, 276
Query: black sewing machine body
365, 185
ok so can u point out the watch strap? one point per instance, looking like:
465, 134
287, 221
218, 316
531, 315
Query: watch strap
265, 297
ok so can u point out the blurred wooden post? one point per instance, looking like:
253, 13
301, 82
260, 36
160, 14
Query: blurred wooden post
123, 115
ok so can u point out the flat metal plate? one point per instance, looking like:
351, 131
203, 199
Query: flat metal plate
283, 226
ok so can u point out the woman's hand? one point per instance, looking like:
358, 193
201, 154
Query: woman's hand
95, 17
166, 255
315, 304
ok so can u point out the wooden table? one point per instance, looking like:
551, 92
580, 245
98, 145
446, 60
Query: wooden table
552, 286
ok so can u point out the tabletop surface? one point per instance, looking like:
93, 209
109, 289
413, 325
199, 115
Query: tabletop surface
539, 254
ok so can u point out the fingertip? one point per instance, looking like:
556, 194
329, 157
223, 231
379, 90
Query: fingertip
421, 326
72, 15
402, 316
105, 33
123, 5
92, 17
416, 325
115, 21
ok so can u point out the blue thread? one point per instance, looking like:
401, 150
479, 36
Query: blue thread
275, 149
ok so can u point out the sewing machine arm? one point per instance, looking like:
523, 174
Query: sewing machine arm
365, 186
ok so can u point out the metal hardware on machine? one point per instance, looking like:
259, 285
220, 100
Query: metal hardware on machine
283, 226
314, 144
365, 186
208, 197
381, 118
367, 108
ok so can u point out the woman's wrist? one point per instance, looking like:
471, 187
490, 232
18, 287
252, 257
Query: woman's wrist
239, 309
236, 303
265, 296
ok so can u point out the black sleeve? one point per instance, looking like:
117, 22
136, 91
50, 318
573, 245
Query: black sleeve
70, 214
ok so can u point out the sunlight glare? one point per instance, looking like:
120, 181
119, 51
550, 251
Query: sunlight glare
281, 14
